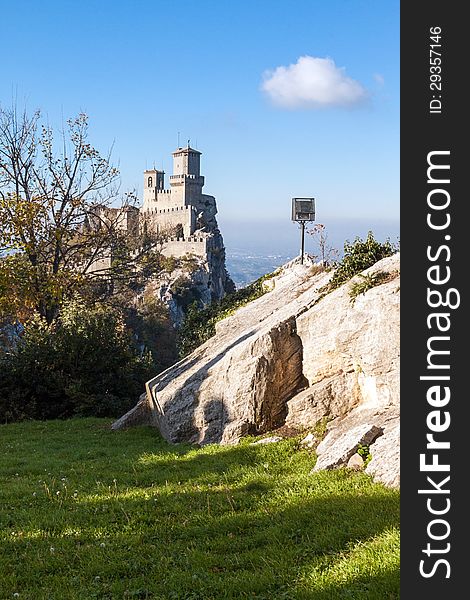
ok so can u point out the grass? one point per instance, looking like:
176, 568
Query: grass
89, 513
369, 281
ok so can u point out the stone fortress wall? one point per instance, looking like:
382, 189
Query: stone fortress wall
179, 247
182, 213
183, 207
170, 217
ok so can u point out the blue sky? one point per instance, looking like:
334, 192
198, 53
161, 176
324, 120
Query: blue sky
145, 70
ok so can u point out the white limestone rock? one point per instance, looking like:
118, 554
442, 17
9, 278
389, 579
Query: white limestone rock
351, 351
356, 462
309, 441
291, 358
272, 439
385, 463
341, 443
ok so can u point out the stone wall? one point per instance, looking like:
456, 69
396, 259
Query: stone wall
178, 247
162, 217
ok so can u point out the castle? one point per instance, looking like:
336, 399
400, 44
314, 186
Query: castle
182, 211
185, 219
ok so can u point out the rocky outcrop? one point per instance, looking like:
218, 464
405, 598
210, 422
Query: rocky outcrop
294, 358
385, 463
220, 282
201, 279
351, 359
375, 427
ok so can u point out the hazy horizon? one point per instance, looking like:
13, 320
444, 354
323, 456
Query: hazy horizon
255, 247
283, 236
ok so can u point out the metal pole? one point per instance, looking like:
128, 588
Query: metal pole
302, 243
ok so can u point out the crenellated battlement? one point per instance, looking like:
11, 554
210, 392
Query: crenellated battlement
179, 247
191, 239
186, 176
160, 211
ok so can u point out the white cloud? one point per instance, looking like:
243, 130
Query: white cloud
312, 83
379, 78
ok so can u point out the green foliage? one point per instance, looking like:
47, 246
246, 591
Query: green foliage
364, 451
91, 513
85, 363
169, 263
320, 428
184, 292
358, 256
199, 323
366, 283
153, 331
189, 263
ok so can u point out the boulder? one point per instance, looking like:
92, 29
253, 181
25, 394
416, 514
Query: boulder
356, 462
292, 358
385, 463
342, 442
239, 381
351, 351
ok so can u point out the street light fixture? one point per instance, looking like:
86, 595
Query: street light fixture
303, 211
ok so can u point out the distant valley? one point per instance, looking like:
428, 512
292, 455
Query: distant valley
254, 248
245, 267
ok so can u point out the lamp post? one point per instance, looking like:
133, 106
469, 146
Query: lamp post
303, 211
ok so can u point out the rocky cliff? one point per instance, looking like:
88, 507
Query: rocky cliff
293, 357
203, 279
207, 280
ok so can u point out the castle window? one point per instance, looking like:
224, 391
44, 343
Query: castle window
149, 182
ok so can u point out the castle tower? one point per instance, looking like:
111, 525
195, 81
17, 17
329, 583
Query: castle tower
182, 208
186, 161
154, 181
186, 180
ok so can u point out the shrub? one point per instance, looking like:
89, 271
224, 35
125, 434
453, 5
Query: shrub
327, 252
367, 282
316, 269
184, 292
83, 364
364, 451
153, 332
358, 256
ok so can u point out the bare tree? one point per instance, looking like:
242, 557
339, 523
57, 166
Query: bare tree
56, 210
327, 252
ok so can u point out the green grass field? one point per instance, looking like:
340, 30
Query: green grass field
89, 513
